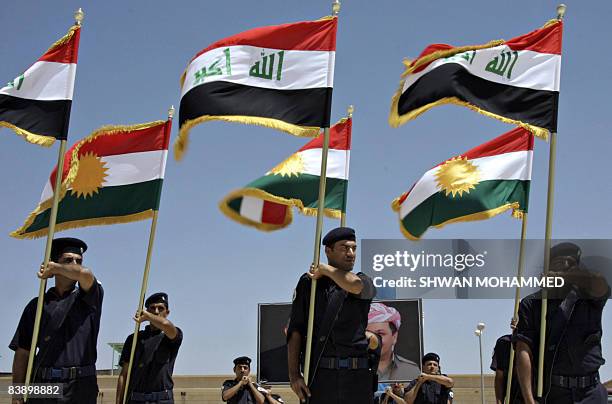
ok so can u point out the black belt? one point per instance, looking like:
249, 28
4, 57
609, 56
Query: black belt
154, 396
573, 382
344, 363
70, 373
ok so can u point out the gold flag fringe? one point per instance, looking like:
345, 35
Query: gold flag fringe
182, 141
258, 193
65, 38
29, 137
72, 173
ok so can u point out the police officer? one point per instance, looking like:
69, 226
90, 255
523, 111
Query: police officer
431, 387
156, 350
69, 328
340, 368
241, 389
386, 321
500, 363
573, 335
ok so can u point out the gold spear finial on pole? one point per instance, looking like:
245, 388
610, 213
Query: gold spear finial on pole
171, 112
78, 16
335, 7
561, 11
350, 111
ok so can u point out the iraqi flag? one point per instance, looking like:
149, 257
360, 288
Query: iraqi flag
266, 202
279, 77
479, 184
112, 176
36, 104
515, 81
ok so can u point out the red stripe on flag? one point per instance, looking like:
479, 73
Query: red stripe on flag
65, 53
142, 140
543, 40
339, 137
305, 35
273, 213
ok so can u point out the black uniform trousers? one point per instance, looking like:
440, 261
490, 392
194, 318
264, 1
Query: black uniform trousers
83, 390
591, 395
342, 386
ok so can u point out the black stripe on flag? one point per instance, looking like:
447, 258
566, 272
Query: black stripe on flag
535, 107
305, 107
46, 118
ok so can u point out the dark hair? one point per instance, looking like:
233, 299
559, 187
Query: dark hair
392, 327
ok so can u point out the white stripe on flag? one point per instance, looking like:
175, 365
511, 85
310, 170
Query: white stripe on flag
300, 69
251, 208
44, 81
336, 163
507, 166
529, 69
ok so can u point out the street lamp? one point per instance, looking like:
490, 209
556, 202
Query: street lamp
479, 330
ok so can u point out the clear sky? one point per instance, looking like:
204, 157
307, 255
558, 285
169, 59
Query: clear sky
217, 271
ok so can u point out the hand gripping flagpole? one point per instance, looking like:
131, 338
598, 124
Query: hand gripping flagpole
317, 244
145, 275
78, 18
547, 242
517, 297
349, 112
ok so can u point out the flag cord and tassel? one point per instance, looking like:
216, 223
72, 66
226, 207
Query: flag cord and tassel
349, 114
43, 282
517, 297
78, 18
145, 275
547, 244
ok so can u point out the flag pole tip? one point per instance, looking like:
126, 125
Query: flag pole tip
561, 11
78, 16
335, 7
171, 112
350, 111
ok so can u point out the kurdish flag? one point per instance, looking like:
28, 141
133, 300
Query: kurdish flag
479, 184
36, 104
279, 77
266, 202
112, 176
515, 81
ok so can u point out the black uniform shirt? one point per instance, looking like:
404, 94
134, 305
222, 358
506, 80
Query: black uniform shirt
430, 392
74, 344
244, 395
347, 337
153, 360
579, 351
501, 361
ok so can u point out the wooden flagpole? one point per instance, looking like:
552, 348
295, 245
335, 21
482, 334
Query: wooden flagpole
517, 297
317, 243
145, 277
349, 112
547, 242
78, 18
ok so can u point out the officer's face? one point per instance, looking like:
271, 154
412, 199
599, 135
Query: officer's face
563, 263
431, 367
342, 254
70, 258
242, 370
159, 309
389, 339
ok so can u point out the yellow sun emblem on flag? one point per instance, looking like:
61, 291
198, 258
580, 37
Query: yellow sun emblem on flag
90, 176
294, 165
457, 175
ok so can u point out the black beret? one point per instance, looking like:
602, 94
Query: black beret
242, 360
566, 250
431, 357
337, 234
159, 297
63, 245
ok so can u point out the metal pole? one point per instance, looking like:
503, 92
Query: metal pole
349, 111
480, 328
517, 297
43, 282
145, 275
